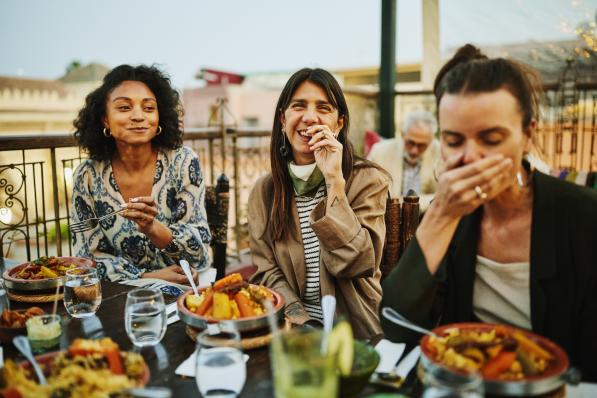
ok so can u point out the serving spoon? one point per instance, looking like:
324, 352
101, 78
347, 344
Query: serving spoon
186, 267
24, 347
393, 316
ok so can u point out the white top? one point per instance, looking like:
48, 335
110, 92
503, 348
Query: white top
501, 292
312, 297
302, 171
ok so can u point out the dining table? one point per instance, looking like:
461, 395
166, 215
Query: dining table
164, 358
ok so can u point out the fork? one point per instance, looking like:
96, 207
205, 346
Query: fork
91, 223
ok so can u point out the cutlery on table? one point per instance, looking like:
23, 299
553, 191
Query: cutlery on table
149, 392
401, 371
23, 346
91, 223
186, 267
396, 377
393, 316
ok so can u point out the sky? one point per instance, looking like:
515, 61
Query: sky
39, 38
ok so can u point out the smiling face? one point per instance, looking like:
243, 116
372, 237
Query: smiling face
477, 125
132, 113
309, 106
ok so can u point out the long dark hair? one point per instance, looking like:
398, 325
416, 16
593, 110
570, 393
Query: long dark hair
471, 71
283, 192
88, 125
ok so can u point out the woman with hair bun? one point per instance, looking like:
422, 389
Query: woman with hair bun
130, 128
501, 243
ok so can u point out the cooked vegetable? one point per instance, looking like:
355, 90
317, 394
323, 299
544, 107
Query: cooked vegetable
244, 305
530, 346
497, 353
221, 308
230, 298
227, 281
499, 364
44, 268
206, 303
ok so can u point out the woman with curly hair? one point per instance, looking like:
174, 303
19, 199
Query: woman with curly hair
130, 128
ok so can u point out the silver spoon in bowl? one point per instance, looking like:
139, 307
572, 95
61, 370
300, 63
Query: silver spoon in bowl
393, 316
24, 347
186, 267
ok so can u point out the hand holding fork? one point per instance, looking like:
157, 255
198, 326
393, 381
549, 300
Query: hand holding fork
91, 223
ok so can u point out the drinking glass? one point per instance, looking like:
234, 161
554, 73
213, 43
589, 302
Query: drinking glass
442, 383
145, 316
4, 302
82, 292
220, 367
300, 367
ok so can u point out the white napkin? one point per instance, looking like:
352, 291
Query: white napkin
171, 309
187, 367
583, 390
206, 277
390, 353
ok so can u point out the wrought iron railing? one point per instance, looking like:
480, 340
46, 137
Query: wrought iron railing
36, 183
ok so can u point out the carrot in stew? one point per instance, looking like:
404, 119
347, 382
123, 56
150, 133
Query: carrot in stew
244, 305
206, 303
495, 366
228, 280
112, 355
531, 347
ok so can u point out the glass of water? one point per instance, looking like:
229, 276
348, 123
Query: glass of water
82, 292
4, 302
220, 367
145, 316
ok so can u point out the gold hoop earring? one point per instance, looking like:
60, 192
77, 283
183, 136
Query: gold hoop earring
159, 130
107, 132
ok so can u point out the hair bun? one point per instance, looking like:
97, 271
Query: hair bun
464, 54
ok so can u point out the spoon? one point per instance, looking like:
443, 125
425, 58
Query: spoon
187, 271
23, 346
393, 316
328, 307
149, 392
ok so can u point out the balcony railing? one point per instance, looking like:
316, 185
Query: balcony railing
36, 182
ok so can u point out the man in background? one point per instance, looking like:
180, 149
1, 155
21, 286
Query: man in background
410, 158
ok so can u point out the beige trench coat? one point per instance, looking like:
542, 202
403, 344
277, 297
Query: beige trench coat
351, 240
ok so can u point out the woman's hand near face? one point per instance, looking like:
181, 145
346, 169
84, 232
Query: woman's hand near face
327, 150
173, 273
457, 196
143, 210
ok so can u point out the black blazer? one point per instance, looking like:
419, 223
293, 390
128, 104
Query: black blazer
563, 274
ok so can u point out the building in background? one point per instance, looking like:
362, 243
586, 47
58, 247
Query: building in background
34, 106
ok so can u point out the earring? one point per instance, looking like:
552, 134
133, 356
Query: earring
107, 132
284, 148
159, 130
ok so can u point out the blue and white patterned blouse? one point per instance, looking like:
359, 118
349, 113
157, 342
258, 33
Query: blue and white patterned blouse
120, 250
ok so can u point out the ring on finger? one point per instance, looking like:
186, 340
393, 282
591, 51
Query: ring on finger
480, 194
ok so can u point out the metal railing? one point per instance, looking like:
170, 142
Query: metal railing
36, 182
567, 131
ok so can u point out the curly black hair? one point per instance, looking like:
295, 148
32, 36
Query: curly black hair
89, 126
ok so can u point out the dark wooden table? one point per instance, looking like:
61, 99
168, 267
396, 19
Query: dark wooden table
162, 359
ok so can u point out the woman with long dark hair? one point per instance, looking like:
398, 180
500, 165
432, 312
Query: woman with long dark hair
316, 221
500, 243
130, 127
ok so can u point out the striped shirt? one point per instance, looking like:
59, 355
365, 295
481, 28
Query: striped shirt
312, 297
411, 178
